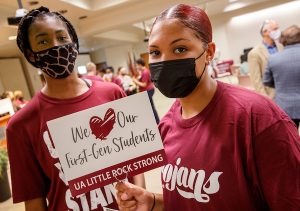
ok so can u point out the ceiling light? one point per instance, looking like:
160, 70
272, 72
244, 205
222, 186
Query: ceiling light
231, 1
235, 6
12, 37
63, 11
282, 9
82, 17
32, 3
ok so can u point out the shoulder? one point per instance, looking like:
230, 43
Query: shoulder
105, 86
108, 88
25, 115
256, 50
168, 119
92, 77
252, 107
277, 56
286, 54
146, 73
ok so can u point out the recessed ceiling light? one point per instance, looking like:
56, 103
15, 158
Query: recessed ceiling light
32, 3
63, 11
12, 37
231, 1
83, 17
235, 6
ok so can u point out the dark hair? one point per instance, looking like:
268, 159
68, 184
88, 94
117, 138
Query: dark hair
243, 58
290, 36
192, 17
28, 19
110, 68
140, 61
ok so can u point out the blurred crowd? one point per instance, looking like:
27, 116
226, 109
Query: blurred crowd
132, 80
16, 97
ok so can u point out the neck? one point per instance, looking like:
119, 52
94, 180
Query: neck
66, 88
268, 41
195, 102
91, 73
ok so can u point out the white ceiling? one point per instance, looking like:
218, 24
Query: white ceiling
110, 22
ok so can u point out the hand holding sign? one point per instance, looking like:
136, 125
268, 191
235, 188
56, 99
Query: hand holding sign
130, 196
106, 143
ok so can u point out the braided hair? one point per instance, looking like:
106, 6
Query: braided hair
28, 19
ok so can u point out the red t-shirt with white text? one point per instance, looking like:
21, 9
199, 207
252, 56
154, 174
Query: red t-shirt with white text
240, 153
35, 168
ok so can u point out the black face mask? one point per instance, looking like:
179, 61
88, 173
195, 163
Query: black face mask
175, 78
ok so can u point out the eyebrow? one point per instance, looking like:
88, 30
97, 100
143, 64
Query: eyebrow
40, 35
174, 41
177, 40
44, 33
60, 31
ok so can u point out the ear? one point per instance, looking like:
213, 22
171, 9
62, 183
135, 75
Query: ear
211, 48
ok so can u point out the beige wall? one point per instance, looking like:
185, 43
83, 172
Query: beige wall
34, 81
12, 76
98, 56
82, 60
117, 56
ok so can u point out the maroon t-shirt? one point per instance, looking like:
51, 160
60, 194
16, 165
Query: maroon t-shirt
117, 81
35, 168
145, 78
242, 152
92, 77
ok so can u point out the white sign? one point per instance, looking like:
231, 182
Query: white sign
106, 143
6, 106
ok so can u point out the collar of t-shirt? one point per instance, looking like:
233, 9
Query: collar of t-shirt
68, 100
186, 123
271, 48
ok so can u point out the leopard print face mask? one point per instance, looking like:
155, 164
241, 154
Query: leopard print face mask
58, 61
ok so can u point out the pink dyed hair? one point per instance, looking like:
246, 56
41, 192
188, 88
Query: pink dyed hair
192, 17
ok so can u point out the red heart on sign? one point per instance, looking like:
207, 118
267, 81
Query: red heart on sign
101, 128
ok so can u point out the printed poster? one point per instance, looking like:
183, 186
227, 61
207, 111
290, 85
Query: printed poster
107, 143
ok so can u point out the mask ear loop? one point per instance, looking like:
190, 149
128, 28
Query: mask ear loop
200, 55
204, 65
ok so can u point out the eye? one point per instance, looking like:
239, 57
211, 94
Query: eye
62, 38
42, 42
180, 50
154, 53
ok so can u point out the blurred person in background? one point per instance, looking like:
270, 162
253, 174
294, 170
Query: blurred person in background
143, 81
244, 69
19, 101
109, 76
283, 73
258, 56
8, 94
91, 72
127, 83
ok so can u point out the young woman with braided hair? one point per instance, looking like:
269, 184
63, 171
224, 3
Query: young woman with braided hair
49, 42
227, 149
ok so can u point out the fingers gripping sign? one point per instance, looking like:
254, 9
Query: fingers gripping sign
133, 198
